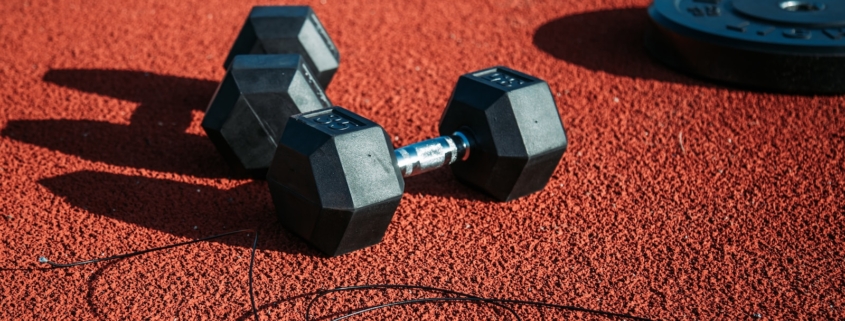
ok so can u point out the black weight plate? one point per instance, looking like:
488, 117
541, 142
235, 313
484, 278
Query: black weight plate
776, 45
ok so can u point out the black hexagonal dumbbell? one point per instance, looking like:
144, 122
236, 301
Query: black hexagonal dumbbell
248, 113
336, 179
288, 29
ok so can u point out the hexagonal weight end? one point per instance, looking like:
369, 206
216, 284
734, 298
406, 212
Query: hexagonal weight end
288, 29
519, 135
334, 180
248, 113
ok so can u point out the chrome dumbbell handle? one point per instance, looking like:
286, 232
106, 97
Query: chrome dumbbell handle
428, 155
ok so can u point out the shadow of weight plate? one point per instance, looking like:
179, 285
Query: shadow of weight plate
772, 45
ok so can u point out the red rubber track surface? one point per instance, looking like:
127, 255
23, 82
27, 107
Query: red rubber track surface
677, 198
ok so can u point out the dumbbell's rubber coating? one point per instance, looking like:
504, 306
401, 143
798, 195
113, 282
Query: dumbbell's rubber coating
248, 113
284, 30
518, 135
334, 180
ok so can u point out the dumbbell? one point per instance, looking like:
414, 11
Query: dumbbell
336, 179
288, 29
278, 66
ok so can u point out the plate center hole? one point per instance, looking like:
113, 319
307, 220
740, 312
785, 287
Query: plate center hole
801, 6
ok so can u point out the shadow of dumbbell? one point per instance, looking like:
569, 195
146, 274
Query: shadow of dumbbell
155, 139
181, 209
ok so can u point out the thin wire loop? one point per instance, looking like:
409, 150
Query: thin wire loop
461, 297
422, 300
54, 265
251, 264
464, 297
394, 286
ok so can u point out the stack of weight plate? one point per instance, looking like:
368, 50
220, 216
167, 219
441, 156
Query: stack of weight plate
772, 45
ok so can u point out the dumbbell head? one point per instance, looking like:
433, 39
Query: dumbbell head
288, 29
248, 113
518, 135
334, 180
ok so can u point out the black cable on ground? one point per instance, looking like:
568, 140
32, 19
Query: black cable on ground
456, 296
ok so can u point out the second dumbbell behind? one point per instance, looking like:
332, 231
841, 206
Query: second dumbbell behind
248, 113
279, 65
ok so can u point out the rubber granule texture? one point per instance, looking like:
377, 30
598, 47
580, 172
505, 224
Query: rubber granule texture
677, 198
